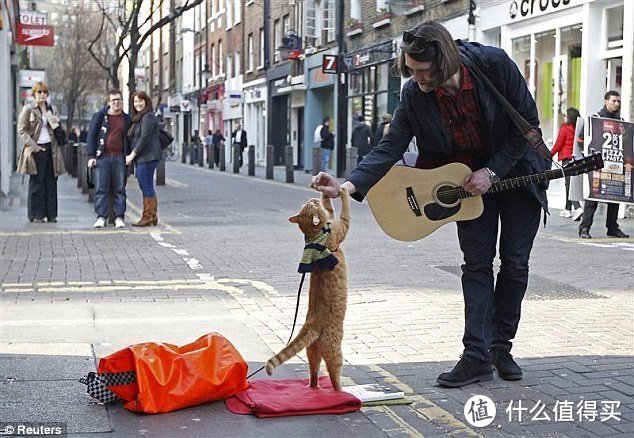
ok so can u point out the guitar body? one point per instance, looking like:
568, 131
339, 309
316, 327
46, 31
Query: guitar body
410, 203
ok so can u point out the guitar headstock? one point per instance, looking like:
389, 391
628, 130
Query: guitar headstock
586, 164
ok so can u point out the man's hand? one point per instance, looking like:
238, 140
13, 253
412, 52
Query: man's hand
92, 162
327, 184
478, 182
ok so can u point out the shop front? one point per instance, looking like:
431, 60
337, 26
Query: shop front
255, 95
279, 114
570, 53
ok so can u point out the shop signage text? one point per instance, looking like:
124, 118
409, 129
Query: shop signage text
35, 35
329, 64
530, 8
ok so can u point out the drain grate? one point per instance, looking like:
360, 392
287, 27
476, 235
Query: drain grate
541, 288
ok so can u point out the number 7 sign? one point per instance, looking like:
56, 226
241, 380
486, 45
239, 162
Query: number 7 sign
329, 64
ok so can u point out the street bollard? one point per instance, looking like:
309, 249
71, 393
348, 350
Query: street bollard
201, 155
192, 153
251, 155
269, 161
74, 157
160, 171
81, 170
184, 153
223, 165
288, 160
236, 157
316, 160
351, 160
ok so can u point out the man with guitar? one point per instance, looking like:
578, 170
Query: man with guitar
455, 116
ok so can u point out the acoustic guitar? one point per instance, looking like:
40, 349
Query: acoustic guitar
410, 203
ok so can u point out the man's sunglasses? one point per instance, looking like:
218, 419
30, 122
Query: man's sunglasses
414, 41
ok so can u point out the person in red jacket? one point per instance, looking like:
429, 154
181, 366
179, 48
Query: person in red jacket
563, 147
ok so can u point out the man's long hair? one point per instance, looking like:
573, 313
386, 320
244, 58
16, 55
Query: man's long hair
432, 42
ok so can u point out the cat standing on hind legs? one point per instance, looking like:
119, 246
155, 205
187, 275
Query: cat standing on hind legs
323, 257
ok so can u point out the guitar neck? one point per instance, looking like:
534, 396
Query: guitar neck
520, 181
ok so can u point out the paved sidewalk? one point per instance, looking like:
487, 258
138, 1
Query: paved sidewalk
71, 294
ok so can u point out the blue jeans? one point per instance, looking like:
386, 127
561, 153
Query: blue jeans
145, 176
325, 159
492, 311
110, 177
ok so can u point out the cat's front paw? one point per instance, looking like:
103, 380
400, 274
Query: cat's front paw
343, 191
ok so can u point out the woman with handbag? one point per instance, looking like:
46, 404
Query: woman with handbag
146, 154
41, 155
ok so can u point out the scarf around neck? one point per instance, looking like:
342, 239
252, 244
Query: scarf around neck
316, 253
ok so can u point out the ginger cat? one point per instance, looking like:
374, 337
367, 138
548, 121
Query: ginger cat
322, 332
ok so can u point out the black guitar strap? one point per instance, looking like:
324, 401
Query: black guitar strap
529, 133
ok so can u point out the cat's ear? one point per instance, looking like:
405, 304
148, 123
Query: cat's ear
316, 219
294, 219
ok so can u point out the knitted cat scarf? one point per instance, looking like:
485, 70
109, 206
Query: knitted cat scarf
316, 253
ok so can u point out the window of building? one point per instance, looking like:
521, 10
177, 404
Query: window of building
310, 25
277, 40
214, 70
221, 69
237, 13
355, 9
229, 66
236, 63
261, 64
229, 12
250, 53
614, 27
329, 21
285, 24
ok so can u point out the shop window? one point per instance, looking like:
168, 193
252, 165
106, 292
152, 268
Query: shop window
569, 80
544, 56
614, 27
521, 54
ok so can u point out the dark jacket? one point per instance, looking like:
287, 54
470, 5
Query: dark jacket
327, 138
378, 134
508, 152
243, 139
98, 133
361, 138
145, 139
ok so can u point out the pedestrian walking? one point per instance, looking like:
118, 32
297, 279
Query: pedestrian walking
41, 157
239, 136
611, 110
327, 144
146, 154
361, 138
444, 95
563, 149
218, 141
107, 146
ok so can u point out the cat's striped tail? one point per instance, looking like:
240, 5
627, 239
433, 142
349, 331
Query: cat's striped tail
304, 338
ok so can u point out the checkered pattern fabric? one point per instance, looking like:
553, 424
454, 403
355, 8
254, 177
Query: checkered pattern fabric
98, 384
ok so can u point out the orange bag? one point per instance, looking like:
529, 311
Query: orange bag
169, 377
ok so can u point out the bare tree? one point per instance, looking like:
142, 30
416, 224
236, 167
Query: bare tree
133, 21
74, 74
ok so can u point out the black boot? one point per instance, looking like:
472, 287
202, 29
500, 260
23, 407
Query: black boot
504, 364
469, 369
616, 232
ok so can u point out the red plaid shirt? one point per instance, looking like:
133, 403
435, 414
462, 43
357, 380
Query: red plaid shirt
461, 116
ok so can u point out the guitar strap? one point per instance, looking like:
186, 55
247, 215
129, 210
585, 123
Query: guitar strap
529, 133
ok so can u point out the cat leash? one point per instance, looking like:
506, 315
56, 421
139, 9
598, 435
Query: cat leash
299, 293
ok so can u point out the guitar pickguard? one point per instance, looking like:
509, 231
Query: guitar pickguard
436, 212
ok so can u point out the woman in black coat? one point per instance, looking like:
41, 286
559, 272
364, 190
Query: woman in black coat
146, 154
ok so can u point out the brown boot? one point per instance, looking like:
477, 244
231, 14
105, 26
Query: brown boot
153, 216
145, 217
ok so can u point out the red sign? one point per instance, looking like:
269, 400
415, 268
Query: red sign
329, 64
35, 35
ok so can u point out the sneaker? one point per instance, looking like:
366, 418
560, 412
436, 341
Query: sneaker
118, 222
618, 233
469, 369
504, 364
584, 233
100, 222
576, 214
565, 213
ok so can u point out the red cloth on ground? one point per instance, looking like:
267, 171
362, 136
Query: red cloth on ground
290, 397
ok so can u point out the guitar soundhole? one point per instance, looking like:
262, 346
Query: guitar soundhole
447, 195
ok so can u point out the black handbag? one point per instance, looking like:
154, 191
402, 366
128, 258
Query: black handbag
60, 135
90, 177
165, 138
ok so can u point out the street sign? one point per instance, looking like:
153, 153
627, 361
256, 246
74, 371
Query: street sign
35, 35
329, 64
186, 106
